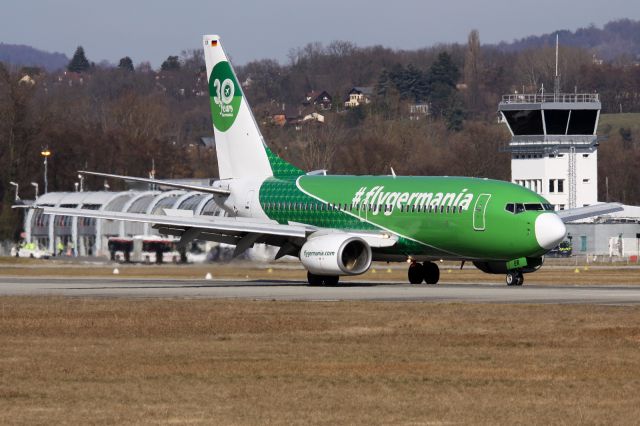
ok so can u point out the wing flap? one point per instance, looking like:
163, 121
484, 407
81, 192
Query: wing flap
216, 224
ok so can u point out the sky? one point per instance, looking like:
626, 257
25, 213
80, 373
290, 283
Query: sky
152, 30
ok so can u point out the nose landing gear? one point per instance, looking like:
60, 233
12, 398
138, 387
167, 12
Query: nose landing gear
514, 278
427, 272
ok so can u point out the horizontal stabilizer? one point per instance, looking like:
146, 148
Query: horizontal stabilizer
589, 211
185, 186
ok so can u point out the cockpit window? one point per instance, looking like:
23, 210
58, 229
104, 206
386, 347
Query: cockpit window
533, 207
530, 207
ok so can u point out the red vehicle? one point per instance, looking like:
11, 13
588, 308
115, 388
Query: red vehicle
144, 249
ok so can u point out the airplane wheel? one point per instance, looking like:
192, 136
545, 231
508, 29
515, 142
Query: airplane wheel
514, 278
431, 273
331, 280
316, 280
416, 273
520, 279
313, 279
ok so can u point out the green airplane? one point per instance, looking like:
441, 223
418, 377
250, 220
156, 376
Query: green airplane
338, 225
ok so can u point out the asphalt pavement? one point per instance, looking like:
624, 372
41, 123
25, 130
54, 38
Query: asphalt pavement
297, 290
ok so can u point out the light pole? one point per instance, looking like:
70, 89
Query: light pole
45, 153
17, 188
35, 185
81, 177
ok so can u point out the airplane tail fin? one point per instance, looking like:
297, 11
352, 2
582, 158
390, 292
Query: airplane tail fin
240, 146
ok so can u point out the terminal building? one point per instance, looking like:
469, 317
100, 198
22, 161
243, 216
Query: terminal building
90, 236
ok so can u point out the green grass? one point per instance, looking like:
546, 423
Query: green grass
628, 120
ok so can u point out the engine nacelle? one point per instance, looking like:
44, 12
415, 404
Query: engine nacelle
533, 264
336, 254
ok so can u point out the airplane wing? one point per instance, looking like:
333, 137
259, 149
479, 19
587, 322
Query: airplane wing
589, 211
241, 232
221, 224
198, 188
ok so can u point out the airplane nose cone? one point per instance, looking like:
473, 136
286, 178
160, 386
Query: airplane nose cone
550, 230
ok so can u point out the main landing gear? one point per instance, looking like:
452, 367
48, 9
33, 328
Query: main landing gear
316, 280
514, 278
427, 272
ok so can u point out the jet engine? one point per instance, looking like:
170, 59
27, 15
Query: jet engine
336, 254
533, 264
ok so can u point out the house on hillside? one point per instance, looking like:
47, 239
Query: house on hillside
72, 78
27, 79
359, 96
296, 116
319, 99
418, 110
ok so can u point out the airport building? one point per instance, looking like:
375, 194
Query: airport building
89, 236
554, 152
554, 145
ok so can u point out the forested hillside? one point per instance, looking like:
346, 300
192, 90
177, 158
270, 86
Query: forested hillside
20, 55
617, 40
125, 118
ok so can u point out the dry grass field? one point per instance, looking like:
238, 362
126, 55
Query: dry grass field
79, 361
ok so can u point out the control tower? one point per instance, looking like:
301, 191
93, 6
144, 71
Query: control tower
554, 147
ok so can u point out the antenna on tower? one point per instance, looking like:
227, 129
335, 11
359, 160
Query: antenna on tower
556, 83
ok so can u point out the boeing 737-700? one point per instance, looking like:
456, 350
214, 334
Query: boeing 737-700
337, 225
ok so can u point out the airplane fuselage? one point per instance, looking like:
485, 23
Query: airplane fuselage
434, 217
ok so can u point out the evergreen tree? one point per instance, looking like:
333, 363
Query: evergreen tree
455, 118
444, 71
126, 64
382, 87
79, 62
171, 64
410, 83
418, 86
441, 81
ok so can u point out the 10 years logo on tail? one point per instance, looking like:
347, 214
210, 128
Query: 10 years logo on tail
225, 96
